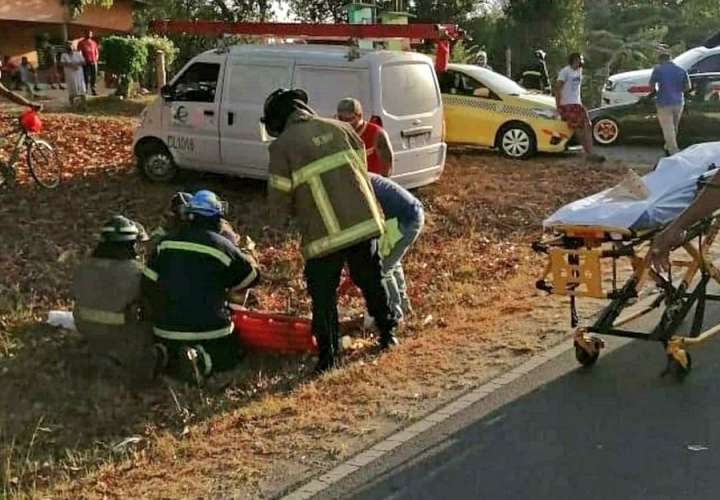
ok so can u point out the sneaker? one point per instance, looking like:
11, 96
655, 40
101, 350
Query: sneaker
388, 341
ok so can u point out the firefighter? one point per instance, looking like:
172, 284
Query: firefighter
318, 175
108, 307
175, 217
187, 280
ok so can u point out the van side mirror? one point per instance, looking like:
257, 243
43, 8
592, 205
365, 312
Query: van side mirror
482, 92
166, 92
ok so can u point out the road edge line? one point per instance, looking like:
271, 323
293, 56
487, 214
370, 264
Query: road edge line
463, 401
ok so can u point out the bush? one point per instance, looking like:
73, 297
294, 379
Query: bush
153, 45
126, 59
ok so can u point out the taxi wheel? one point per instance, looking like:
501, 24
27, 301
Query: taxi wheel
517, 141
605, 131
157, 164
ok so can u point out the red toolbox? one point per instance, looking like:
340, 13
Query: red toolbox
271, 332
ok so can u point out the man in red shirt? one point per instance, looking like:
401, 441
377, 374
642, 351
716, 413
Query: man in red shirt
91, 53
377, 143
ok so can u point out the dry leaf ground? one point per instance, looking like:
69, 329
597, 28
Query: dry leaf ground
64, 427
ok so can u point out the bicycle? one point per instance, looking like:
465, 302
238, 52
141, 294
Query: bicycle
41, 157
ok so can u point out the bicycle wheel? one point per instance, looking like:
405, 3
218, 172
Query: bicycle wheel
43, 163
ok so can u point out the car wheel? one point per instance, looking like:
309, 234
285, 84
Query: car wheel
517, 141
606, 131
156, 163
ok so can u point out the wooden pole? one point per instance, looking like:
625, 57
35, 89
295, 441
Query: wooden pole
508, 62
160, 69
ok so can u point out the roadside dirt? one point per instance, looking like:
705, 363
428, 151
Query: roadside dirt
68, 432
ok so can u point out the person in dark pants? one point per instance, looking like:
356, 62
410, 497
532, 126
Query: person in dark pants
187, 280
91, 53
318, 175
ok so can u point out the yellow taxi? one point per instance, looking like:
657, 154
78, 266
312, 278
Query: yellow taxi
484, 108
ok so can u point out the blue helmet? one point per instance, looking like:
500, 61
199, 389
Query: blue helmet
207, 204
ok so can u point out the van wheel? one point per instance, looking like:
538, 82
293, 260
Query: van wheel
517, 141
605, 131
156, 163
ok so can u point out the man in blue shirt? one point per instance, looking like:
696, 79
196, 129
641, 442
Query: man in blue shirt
668, 84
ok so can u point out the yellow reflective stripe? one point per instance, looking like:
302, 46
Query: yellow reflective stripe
100, 316
345, 238
190, 336
366, 187
318, 167
322, 202
249, 279
149, 273
280, 183
196, 247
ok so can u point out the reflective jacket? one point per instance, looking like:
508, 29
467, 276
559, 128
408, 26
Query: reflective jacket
318, 175
107, 299
187, 280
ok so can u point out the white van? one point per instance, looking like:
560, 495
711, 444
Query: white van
208, 117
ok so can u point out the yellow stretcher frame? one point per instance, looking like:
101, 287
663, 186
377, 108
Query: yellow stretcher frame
575, 268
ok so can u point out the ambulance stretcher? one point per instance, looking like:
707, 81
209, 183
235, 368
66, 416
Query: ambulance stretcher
586, 241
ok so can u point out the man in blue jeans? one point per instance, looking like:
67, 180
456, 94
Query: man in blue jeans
401, 208
668, 83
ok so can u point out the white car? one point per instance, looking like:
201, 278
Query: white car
628, 87
208, 117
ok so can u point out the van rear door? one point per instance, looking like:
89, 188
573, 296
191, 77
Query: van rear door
412, 114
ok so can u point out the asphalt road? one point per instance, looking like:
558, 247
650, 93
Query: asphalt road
617, 431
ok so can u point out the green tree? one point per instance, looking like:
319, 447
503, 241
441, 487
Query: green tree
444, 11
319, 11
556, 26
76, 7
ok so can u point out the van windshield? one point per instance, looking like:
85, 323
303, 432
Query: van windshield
409, 89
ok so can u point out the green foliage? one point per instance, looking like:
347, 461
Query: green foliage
443, 11
319, 11
153, 45
126, 58
77, 6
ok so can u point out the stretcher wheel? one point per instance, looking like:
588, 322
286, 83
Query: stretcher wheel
584, 357
676, 369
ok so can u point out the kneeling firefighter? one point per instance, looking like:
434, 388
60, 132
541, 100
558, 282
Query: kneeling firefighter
108, 305
187, 280
175, 217
318, 175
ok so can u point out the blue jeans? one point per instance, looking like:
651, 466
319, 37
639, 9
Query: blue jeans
393, 274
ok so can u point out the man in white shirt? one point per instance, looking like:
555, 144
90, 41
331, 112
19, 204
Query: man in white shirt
569, 104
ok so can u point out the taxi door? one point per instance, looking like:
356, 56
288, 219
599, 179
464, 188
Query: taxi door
471, 110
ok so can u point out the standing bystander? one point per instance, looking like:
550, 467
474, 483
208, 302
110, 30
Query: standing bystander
569, 104
91, 54
72, 63
668, 83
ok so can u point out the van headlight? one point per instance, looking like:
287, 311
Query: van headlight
548, 114
609, 85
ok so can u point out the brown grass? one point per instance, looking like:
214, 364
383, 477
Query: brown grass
62, 420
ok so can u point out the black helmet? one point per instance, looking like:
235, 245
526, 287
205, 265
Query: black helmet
179, 202
120, 229
279, 106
